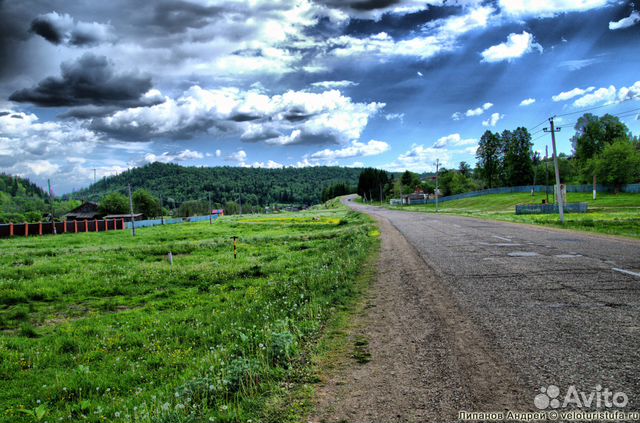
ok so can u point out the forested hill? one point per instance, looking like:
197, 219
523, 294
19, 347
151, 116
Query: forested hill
17, 186
254, 186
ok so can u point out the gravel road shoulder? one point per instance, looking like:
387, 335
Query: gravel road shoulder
428, 360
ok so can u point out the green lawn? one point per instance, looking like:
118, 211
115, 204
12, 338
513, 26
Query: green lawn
610, 214
97, 327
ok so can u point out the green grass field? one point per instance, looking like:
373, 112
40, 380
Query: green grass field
609, 214
98, 327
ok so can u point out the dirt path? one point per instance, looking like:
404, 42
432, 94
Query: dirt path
428, 360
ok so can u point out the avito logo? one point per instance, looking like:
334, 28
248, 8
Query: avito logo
598, 398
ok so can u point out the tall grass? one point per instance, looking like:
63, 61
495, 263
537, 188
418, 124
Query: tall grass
99, 327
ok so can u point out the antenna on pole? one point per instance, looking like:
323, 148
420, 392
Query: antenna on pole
94, 176
559, 196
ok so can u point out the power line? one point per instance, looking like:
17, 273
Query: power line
534, 127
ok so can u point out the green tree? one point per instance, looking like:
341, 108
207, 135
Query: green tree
464, 169
372, 183
114, 203
145, 203
517, 162
593, 133
194, 208
618, 164
489, 155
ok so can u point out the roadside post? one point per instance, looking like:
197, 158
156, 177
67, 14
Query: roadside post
235, 246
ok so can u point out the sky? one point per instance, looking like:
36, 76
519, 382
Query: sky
98, 87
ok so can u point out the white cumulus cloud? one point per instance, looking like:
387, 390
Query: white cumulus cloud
167, 157
568, 95
493, 120
517, 45
627, 22
527, 102
453, 140
548, 8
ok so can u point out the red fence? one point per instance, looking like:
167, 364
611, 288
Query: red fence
68, 226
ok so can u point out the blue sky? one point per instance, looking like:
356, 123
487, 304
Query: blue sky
394, 84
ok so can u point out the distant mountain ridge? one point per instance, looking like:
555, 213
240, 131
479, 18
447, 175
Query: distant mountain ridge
253, 186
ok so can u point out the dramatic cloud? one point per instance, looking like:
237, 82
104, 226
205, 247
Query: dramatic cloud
439, 36
568, 95
527, 102
291, 118
453, 140
374, 9
89, 80
62, 29
548, 8
517, 45
493, 120
167, 157
627, 22
32, 148
356, 149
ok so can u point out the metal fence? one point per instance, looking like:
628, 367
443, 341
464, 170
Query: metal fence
629, 188
155, 222
551, 208
80, 226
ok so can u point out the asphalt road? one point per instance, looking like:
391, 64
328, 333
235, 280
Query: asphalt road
557, 307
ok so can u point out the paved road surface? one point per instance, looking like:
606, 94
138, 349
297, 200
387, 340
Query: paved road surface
477, 315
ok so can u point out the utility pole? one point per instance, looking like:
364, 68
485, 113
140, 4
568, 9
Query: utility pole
437, 192
133, 223
53, 222
161, 212
546, 171
94, 175
560, 200
595, 189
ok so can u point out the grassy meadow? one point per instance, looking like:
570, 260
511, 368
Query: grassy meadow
99, 327
614, 214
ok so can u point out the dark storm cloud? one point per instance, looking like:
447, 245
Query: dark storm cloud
178, 16
244, 117
360, 5
89, 80
46, 29
63, 29
4, 113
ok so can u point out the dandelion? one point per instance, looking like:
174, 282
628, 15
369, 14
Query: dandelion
179, 406
165, 406
116, 414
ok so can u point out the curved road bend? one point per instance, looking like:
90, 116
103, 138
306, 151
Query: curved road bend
476, 315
